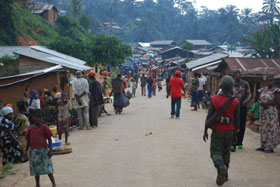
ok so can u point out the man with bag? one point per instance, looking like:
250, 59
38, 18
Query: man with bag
223, 119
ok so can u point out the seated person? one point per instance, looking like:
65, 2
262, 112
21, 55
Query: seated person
253, 113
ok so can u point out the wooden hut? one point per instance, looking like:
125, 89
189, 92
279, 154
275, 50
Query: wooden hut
253, 70
47, 11
39, 68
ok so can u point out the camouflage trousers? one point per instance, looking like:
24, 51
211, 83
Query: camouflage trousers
221, 142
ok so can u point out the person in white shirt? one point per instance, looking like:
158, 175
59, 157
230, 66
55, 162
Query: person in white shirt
81, 89
34, 101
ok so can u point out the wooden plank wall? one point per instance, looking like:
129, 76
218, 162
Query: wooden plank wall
27, 64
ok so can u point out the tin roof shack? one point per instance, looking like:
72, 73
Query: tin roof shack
39, 68
200, 44
253, 70
47, 11
22, 2
32, 58
162, 44
172, 52
204, 64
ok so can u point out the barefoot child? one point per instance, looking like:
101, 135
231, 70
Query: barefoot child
40, 155
64, 107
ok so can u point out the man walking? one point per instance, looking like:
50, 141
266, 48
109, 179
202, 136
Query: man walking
96, 100
150, 82
143, 85
176, 84
81, 89
241, 90
223, 130
194, 87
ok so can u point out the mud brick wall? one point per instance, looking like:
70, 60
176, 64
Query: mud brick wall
14, 93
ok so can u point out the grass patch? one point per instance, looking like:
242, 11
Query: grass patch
6, 170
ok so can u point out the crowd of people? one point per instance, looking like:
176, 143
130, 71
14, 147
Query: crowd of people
227, 113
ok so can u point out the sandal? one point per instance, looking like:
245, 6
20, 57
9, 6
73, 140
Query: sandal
67, 143
80, 128
89, 128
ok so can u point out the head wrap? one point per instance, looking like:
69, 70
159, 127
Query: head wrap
33, 95
91, 74
227, 82
78, 74
6, 110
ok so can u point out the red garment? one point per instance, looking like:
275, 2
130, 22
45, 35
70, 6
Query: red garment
176, 84
42, 101
154, 82
218, 101
38, 136
124, 82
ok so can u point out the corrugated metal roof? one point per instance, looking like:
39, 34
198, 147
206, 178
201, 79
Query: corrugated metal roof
8, 50
250, 64
51, 59
54, 68
170, 49
198, 42
57, 54
46, 55
208, 65
40, 8
162, 42
34, 75
206, 60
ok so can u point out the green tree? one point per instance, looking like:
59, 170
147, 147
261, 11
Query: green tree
187, 46
85, 21
76, 7
7, 27
265, 43
271, 10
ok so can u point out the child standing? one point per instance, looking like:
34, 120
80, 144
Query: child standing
134, 86
40, 156
64, 107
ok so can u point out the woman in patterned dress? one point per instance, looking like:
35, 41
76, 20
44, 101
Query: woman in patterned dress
10, 146
269, 121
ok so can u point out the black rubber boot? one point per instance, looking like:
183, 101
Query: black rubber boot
222, 171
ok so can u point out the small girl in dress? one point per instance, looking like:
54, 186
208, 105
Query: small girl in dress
64, 107
134, 86
40, 156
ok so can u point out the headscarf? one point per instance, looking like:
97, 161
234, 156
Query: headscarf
33, 95
6, 110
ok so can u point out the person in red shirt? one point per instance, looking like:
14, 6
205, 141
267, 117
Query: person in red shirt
40, 155
225, 129
176, 84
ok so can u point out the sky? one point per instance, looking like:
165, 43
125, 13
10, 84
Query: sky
255, 5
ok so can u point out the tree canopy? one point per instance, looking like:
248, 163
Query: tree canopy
178, 20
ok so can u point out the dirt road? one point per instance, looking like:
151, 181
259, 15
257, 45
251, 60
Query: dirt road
144, 148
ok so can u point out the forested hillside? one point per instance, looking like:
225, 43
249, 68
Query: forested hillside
170, 19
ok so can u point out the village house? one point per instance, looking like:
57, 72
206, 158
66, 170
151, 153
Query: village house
47, 11
199, 44
172, 52
162, 44
111, 27
39, 68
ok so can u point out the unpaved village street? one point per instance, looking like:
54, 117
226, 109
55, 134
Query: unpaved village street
143, 147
